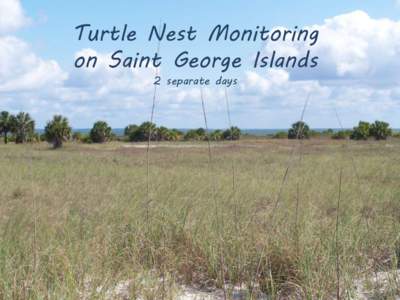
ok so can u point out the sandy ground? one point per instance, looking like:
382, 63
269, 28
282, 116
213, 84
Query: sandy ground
371, 288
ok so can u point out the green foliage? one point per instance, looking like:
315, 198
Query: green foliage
280, 135
380, 130
299, 130
361, 132
176, 134
77, 136
315, 134
328, 132
232, 134
22, 127
217, 135
130, 129
57, 131
341, 135
196, 135
163, 134
101, 132
5, 124
80, 137
35, 138
142, 133
42, 137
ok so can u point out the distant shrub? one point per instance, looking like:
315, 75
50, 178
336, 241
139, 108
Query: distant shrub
42, 137
195, 134
217, 135
341, 135
328, 132
315, 134
5, 124
35, 138
280, 135
164, 134
130, 129
299, 130
141, 133
86, 139
11, 139
380, 130
232, 133
101, 132
57, 131
361, 132
80, 137
175, 134
22, 127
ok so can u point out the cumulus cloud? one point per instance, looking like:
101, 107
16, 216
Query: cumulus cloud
105, 80
12, 16
254, 83
357, 72
352, 45
275, 89
21, 69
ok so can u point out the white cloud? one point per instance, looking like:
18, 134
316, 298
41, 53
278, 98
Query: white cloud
21, 69
275, 89
352, 45
105, 80
12, 16
255, 83
358, 73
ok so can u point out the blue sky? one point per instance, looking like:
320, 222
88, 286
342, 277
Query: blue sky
359, 50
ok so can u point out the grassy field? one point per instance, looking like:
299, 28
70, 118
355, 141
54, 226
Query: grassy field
77, 221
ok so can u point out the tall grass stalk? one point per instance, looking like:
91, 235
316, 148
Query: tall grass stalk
337, 236
218, 216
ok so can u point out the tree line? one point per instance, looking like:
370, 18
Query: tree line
20, 129
379, 130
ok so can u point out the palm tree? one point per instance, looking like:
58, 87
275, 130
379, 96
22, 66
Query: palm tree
233, 133
361, 132
130, 129
5, 124
57, 131
142, 133
217, 135
380, 130
300, 130
23, 127
175, 134
100, 132
163, 133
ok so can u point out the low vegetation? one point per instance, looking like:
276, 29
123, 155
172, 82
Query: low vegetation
78, 221
263, 214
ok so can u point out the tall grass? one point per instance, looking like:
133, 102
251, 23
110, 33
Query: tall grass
92, 232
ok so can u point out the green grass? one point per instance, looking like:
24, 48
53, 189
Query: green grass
90, 207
